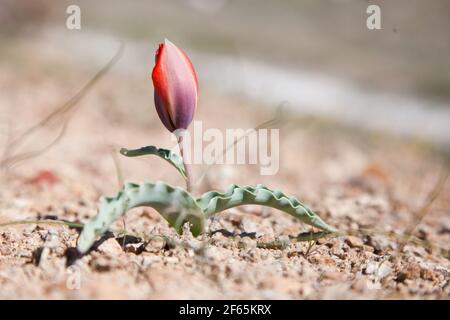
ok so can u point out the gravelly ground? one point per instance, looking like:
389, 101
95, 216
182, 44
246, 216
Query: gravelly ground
353, 180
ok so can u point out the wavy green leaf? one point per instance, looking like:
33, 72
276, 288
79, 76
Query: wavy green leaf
213, 202
173, 158
178, 206
175, 204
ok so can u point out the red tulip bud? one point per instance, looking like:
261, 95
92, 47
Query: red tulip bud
176, 87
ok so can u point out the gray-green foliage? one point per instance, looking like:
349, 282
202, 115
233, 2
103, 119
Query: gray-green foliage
175, 204
175, 160
178, 206
213, 202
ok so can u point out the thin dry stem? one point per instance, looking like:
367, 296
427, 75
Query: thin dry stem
11, 156
267, 124
425, 208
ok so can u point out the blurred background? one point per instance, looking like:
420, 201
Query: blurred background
318, 56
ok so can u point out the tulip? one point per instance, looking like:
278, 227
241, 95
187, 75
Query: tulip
176, 87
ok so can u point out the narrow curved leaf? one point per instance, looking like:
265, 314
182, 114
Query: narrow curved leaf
213, 202
175, 204
174, 159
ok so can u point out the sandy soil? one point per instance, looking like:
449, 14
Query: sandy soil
353, 180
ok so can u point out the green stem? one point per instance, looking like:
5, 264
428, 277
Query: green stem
187, 166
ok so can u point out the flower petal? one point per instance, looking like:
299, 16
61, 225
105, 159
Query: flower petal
176, 86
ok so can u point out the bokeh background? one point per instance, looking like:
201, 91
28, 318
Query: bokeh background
316, 55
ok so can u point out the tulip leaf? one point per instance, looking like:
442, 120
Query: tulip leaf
178, 206
175, 204
171, 157
213, 202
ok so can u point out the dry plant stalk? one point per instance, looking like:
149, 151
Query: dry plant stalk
12, 154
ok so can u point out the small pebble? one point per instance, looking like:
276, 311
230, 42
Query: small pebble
354, 242
110, 246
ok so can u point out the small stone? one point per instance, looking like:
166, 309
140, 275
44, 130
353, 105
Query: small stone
445, 225
246, 243
155, 245
320, 259
354, 242
384, 270
371, 268
195, 244
249, 226
110, 246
